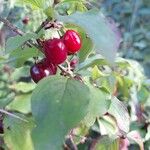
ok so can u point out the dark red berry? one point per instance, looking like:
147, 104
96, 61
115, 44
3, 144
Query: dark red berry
41, 70
55, 51
72, 41
26, 20
74, 63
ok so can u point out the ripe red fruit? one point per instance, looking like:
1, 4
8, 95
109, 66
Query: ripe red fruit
41, 70
55, 50
73, 63
26, 20
72, 41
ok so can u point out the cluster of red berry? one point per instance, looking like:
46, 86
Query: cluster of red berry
56, 51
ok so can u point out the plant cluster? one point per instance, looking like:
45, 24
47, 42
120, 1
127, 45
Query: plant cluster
56, 51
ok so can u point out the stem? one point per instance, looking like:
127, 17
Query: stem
94, 142
83, 138
19, 32
36, 45
59, 34
70, 144
11, 26
12, 115
42, 26
68, 65
115, 92
72, 56
63, 69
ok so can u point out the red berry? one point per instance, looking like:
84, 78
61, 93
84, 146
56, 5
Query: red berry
41, 70
26, 20
55, 51
73, 63
72, 41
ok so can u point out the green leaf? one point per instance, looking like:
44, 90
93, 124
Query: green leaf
6, 100
2, 58
97, 73
91, 61
108, 82
20, 72
70, 7
112, 146
124, 85
98, 105
122, 63
21, 103
108, 126
86, 49
80, 131
20, 56
58, 105
143, 94
99, 30
49, 12
17, 134
17, 41
39, 4
120, 112
23, 87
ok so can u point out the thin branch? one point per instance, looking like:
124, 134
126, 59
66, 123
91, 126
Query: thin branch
12, 115
70, 144
30, 42
19, 32
68, 64
11, 26
42, 26
63, 69
36, 45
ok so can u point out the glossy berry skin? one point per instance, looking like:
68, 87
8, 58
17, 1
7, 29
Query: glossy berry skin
41, 70
72, 41
26, 20
55, 51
